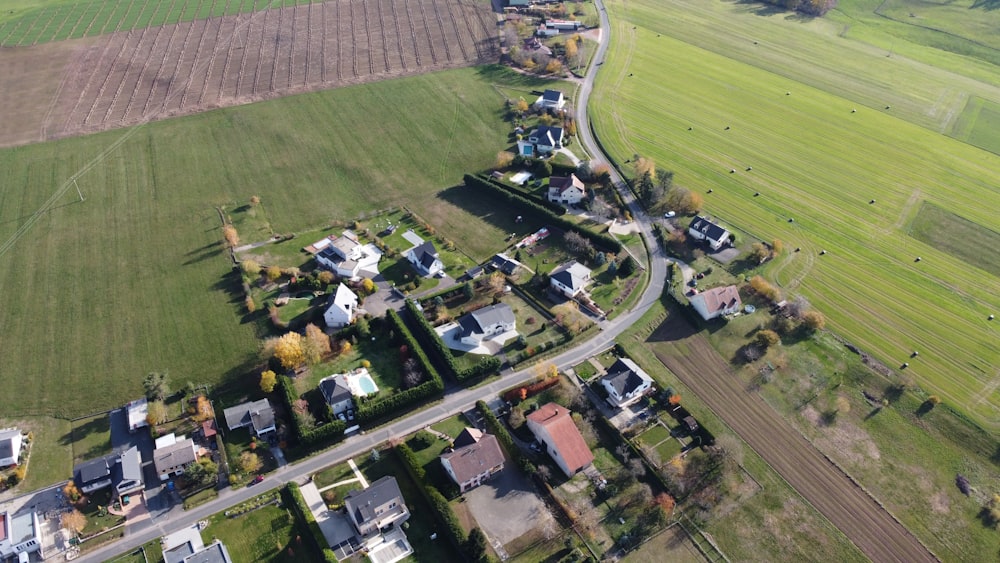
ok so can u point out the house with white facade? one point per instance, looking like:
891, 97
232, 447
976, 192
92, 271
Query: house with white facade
551, 99
540, 141
425, 259
10, 446
712, 234
346, 256
717, 302
626, 383
567, 190
554, 428
172, 455
20, 535
342, 307
475, 458
376, 510
258, 415
187, 546
128, 474
486, 323
337, 393
570, 278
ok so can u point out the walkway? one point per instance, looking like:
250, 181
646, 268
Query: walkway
357, 473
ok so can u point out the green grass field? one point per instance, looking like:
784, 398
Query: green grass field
265, 534
950, 233
979, 124
134, 279
818, 163
40, 21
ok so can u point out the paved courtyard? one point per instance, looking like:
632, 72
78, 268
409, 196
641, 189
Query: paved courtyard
507, 507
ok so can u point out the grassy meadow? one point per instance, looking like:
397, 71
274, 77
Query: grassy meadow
134, 279
784, 106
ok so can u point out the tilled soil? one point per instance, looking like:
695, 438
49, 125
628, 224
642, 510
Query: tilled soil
832, 492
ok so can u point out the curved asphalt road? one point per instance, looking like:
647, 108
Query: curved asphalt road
879, 537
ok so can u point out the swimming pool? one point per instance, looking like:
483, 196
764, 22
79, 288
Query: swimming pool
360, 383
367, 384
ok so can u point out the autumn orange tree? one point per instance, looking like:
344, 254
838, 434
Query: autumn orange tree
290, 351
74, 521
316, 344
232, 237
268, 380
203, 409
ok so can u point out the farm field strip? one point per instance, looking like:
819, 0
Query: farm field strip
818, 164
128, 78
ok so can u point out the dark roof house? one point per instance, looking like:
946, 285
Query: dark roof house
257, 414
626, 383
376, 509
92, 475
485, 322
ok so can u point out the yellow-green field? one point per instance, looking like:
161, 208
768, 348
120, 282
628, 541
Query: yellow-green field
786, 89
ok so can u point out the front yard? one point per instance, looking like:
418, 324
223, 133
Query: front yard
269, 533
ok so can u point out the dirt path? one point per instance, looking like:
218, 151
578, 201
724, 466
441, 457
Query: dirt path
859, 516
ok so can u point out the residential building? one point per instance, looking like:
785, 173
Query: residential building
475, 458
567, 190
186, 546
514, 3
504, 263
712, 234
485, 323
129, 472
346, 256
541, 141
258, 415
172, 455
546, 31
564, 25
626, 383
570, 278
717, 302
551, 99
10, 446
20, 535
553, 426
342, 307
377, 509
137, 411
425, 259
337, 393
92, 475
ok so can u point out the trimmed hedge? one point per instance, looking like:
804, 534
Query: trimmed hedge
527, 194
531, 208
306, 517
498, 429
430, 339
308, 437
372, 410
442, 510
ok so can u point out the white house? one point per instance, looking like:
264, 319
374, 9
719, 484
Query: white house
377, 509
546, 31
717, 302
702, 228
542, 140
551, 99
346, 256
626, 383
337, 393
553, 426
137, 411
171, 455
20, 535
475, 458
342, 307
485, 323
258, 415
187, 546
425, 259
570, 278
567, 190
10, 446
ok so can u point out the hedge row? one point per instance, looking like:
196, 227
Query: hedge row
433, 386
442, 510
308, 437
430, 339
498, 429
529, 195
306, 516
528, 207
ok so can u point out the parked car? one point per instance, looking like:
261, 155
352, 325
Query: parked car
669, 214
255, 480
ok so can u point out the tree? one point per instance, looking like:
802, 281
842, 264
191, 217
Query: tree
730, 449
272, 273
766, 338
504, 160
813, 321
345, 347
157, 386
249, 462
571, 49
759, 252
684, 201
368, 286
467, 290
627, 267
577, 244
202, 472
73, 521
777, 247
476, 547
553, 66
250, 268
71, 492
289, 350
516, 417
325, 277
203, 409
764, 289
268, 380
643, 166
521, 105
316, 344
412, 374
230, 235
496, 282
255, 200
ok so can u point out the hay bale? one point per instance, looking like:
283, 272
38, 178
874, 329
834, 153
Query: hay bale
732, 171
854, 111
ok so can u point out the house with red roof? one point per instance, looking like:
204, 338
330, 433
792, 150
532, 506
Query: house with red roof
475, 458
717, 302
553, 426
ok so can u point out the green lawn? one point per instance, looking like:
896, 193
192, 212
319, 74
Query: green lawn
385, 368
265, 534
950, 233
818, 163
151, 288
51, 458
91, 437
452, 426
334, 474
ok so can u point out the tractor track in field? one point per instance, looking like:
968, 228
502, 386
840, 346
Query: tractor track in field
861, 517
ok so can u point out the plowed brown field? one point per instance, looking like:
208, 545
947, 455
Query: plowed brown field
133, 77
856, 513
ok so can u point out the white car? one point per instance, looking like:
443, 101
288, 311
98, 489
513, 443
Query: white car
669, 214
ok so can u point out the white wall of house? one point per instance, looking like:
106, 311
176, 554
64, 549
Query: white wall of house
543, 436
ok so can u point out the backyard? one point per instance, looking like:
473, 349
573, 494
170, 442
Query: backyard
269, 533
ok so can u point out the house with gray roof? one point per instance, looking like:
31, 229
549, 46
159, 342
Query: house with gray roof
172, 456
129, 472
485, 323
543, 140
20, 535
504, 263
93, 475
570, 279
626, 383
377, 509
425, 259
475, 458
258, 415
703, 229
186, 546
337, 393
10, 446
551, 99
